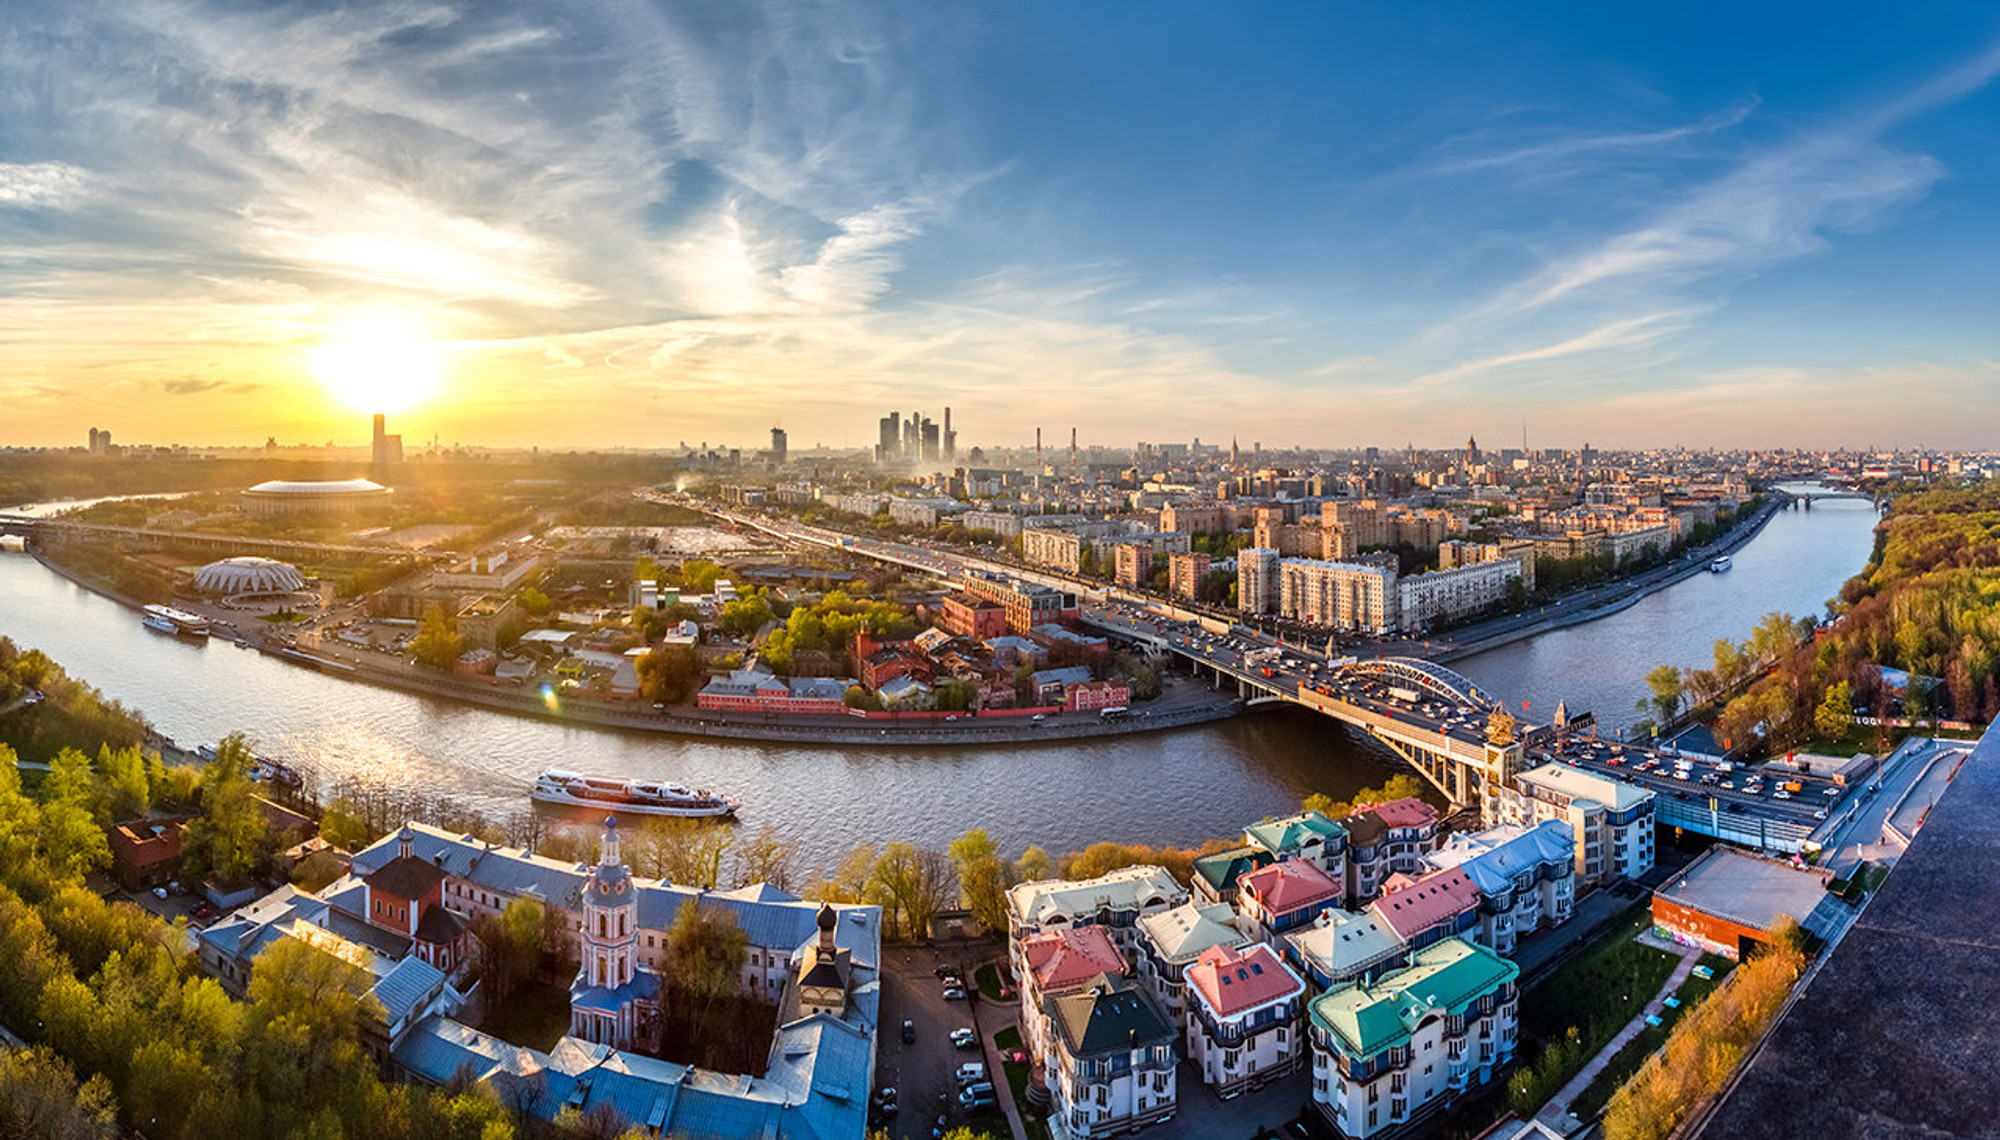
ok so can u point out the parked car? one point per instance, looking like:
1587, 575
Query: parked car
953, 993
909, 1032
964, 1039
971, 1072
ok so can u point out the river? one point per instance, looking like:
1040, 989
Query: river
1180, 787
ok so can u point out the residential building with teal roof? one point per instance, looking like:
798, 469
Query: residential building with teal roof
1403, 1049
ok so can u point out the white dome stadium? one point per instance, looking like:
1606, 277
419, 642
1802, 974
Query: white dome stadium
248, 576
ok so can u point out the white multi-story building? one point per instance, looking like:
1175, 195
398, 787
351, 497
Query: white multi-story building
1006, 524
1404, 1048
1345, 946
1425, 600
866, 505
1171, 941
1057, 549
1115, 901
1111, 1060
1257, 580
1059, 962
1611, 820
1341, 595
1526, 877
1245, 1010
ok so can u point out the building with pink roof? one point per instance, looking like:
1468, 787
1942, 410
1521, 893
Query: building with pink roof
1423, 910
1059, 962
1244, 1019
1284, 896
1386, 839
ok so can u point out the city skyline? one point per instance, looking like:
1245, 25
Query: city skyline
595, 228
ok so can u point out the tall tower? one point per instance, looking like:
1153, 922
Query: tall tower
950, 436
613, 1000
778, 443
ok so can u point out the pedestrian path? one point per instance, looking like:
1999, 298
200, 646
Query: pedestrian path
1555, 1114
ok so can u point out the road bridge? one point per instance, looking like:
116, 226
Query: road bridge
1440, 722
32, 527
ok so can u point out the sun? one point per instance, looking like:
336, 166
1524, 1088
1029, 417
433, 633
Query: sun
381, 363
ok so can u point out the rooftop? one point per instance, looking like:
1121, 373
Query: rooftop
1108, 1015
1442, 979
1185, 931
1230, 982
1128, 888
1580, 785
1067, 958
1411, 909
1752, 891
1343, 943
1291, 884
1284, 836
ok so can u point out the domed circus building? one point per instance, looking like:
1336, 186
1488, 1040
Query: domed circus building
315, 497
232, 577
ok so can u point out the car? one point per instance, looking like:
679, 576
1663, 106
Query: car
953, 993
977, 1096
909, 1032
885, 1095
964, 1039
1820, 814
971, 1072
1829, 791
160, 893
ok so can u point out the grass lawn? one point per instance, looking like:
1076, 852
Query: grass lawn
1626, 1062
1017, 1079
535, 1015
987, 977
1596, 993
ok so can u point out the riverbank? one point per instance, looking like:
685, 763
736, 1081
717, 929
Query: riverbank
1182, 706
1471, 641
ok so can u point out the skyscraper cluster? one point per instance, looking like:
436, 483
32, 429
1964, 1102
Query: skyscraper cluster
918, 439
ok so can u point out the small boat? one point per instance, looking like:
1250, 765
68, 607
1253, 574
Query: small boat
167, 619
640, 797
1720, 565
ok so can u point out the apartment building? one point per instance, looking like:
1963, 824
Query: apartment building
1387, 839
1443, 596
1116, 901
1111, 1063
1403, 1049
1610, 820
1284, 896
1062, 962
1245, 1012
1526, 877
1171, 940
1257, 586
1308, 835
1341, 595
1345, 946
1187, 573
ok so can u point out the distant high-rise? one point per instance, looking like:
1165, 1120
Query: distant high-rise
388, 449
931, 440
100, 442
778, 446
889, 438
950, 437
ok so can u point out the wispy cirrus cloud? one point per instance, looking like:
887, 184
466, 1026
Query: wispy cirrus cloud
1559, 149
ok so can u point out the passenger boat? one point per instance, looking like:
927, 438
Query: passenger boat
640, 797
1719, 565
167, 619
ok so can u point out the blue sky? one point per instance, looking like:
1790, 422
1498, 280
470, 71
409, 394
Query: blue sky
636, 223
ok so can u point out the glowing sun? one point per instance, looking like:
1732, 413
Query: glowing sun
381, 363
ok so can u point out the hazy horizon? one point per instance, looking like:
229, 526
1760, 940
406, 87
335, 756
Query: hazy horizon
589, 226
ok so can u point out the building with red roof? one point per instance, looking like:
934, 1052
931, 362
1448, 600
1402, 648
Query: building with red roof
1286, 895
1387, 839
1059, 962
1424, 910
1244, 1019
145, 853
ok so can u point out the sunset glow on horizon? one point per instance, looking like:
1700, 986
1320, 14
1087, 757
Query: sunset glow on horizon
223, 222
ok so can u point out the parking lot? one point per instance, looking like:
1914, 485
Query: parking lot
922, 1072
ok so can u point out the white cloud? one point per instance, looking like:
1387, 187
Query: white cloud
41, 184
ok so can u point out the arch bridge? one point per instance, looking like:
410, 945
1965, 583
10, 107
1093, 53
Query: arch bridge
1424, 676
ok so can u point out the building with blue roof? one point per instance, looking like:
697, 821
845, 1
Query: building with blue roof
1525, 876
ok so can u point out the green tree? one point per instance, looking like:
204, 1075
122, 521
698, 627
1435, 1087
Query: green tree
1835, 714
1401, 786
40, 1097
1666, 686
913, 883
669, 674
687, 852
437, 644
231, 839
343, 825
764, 858
982, 877
705, 953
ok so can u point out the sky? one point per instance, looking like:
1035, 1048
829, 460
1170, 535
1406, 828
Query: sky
626, 223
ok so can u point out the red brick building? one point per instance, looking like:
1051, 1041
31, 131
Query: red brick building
1090, 696
145, 853
974, 618
406, 896
1728, 900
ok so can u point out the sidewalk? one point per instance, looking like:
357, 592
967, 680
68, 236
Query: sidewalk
1555, 1114
996, 1071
